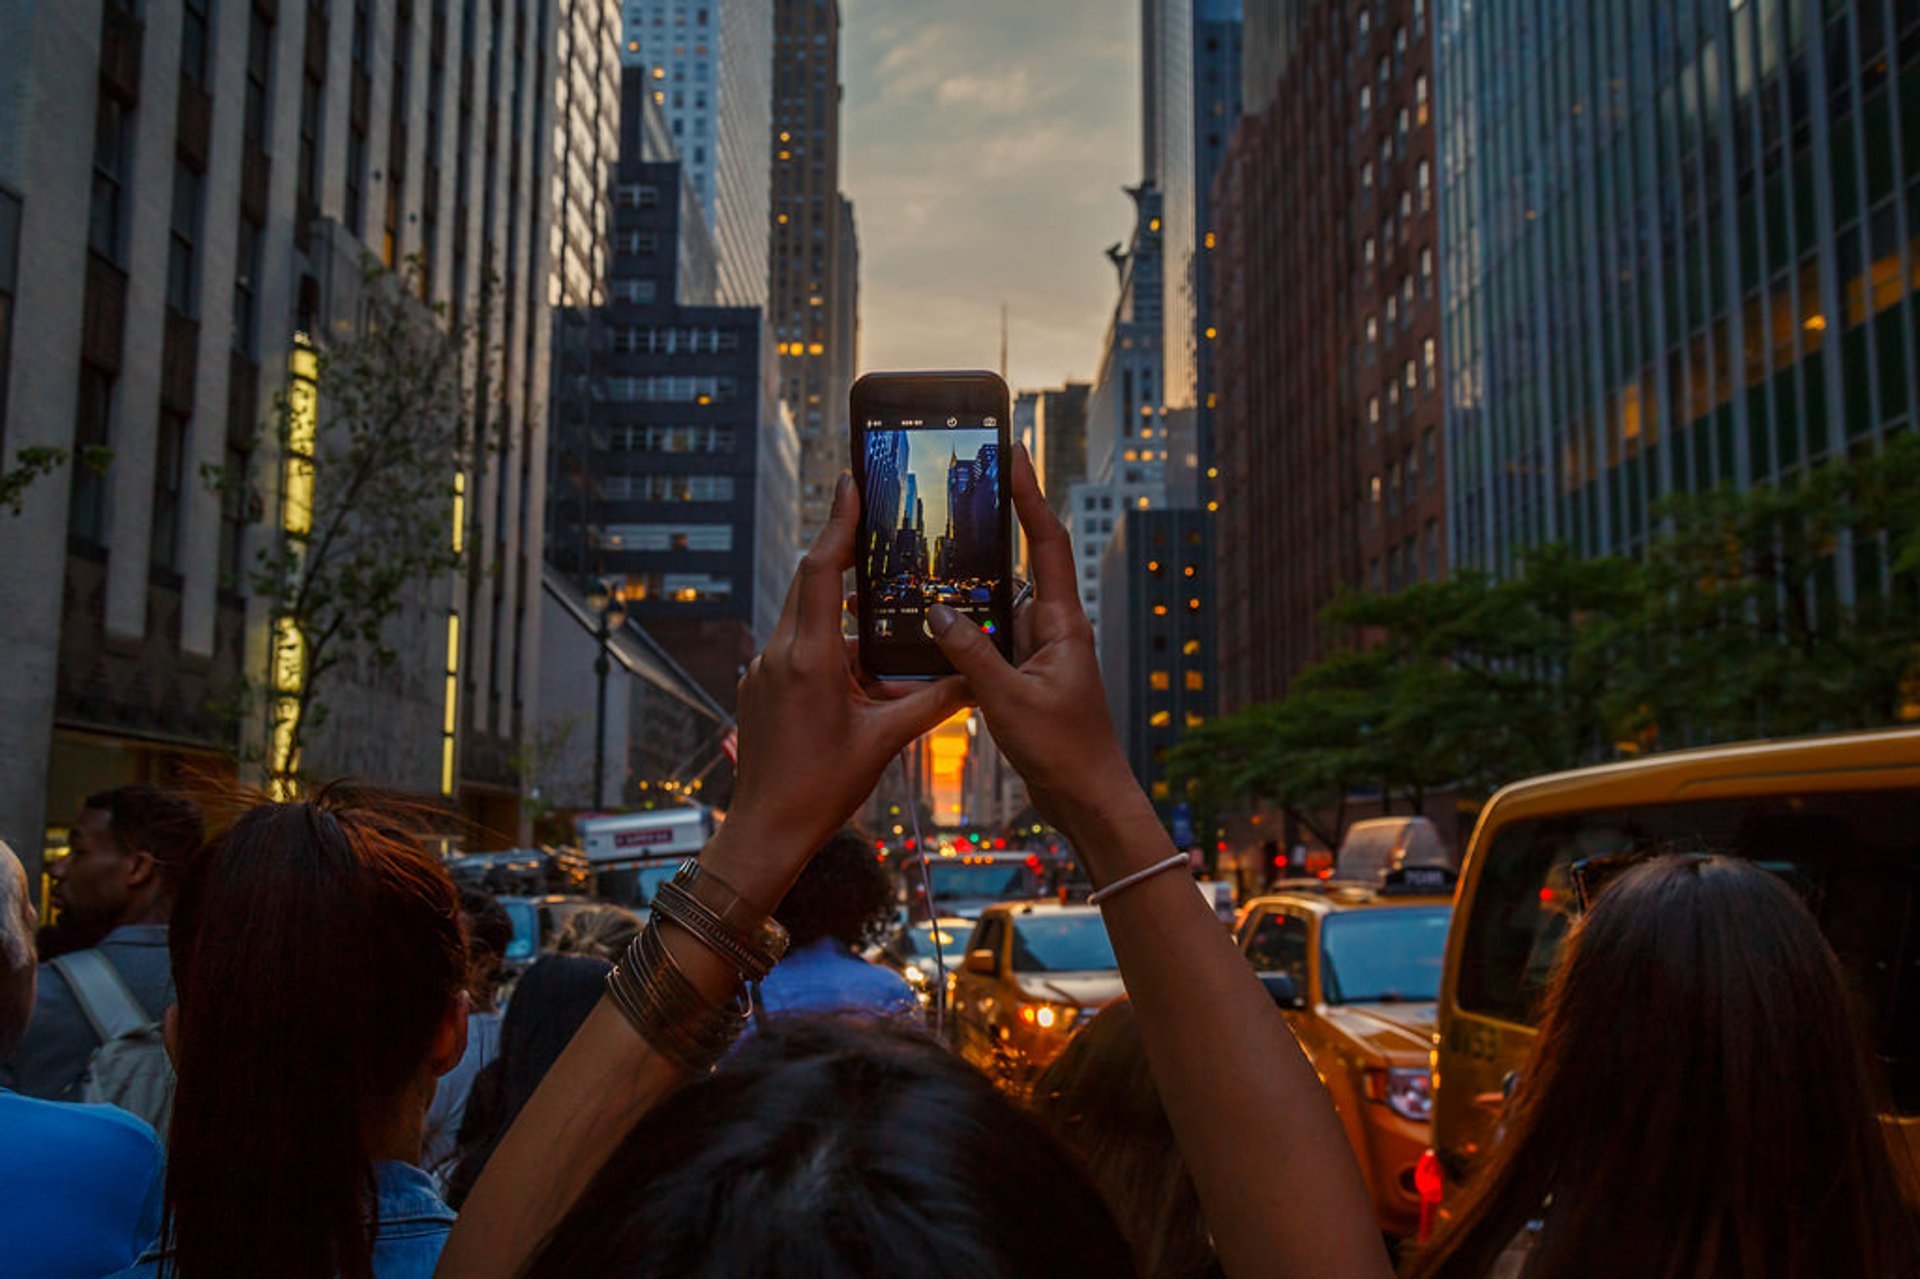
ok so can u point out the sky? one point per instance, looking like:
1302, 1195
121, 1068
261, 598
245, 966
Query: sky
984, 144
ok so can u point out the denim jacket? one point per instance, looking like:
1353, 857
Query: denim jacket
414, 1222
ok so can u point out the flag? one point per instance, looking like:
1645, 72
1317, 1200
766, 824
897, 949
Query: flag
731, 745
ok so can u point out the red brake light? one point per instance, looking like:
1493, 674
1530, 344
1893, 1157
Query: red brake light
1429, 1185
1033, 862
1546, 896
999, 843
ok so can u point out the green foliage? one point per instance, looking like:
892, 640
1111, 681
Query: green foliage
1729, 628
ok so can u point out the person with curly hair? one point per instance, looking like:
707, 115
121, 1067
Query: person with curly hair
838, 904
598, 932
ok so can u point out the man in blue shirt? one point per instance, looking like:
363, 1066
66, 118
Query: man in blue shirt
80, 1186
128, 848
839, 901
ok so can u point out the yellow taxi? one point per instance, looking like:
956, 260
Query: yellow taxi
1033, 973
1838, 816
1356, 967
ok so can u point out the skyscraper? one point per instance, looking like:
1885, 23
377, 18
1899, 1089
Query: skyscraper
1328, 416
186, 196
814, 301
1706, 278
709, 66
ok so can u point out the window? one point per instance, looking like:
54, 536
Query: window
636, 195
638, 292
169, 460
259, 78
1279, 945
667, 488
246, 277
112, 131
1160, 719
678, 588
698, 538
194, 41
1159, 681
9, 267
86, 509
671, 439
184, 234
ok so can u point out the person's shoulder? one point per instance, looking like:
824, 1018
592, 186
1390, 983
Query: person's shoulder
82, 1132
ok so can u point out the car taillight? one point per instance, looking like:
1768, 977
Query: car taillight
1429, 1184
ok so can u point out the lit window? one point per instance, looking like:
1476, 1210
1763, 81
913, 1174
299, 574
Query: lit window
1195, 720
1159, 610
1159, 681
1195, 681
1161, 719
1191, 648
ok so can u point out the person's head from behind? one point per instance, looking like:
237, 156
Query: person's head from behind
844, 893
1098, 1097
318, 961
17, 969
128, 849
826, 1149
550, 1002
1700, 1098
489, 933
598, 932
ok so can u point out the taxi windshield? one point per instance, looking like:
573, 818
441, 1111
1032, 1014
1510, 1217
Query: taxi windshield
1062, 944
1384, 956
992, 881
921, 939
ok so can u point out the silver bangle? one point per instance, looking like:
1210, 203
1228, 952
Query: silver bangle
1128, 881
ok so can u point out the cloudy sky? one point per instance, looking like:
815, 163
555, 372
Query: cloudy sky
985, 143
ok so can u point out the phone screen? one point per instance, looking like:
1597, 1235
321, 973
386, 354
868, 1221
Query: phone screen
932, 462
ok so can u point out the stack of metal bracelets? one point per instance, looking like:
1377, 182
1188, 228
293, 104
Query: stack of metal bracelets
655, 994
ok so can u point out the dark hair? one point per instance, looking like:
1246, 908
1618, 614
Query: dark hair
1098, 1097
489, 927
549, 1004
843, 893
838, 1147
1699, 1103
162, 822
317, 952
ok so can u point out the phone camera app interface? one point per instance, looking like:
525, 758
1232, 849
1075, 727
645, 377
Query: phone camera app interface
933, 524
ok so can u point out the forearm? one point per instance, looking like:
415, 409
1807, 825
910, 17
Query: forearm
603, 1084
1277, 1182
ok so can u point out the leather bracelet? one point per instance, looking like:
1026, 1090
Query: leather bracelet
739, 916
674, 903
659, 1001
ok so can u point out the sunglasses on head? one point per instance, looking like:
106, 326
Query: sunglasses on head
1591, 875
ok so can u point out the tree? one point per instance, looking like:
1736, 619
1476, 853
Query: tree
376, 432
30, 463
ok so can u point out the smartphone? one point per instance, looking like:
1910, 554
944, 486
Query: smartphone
931, 457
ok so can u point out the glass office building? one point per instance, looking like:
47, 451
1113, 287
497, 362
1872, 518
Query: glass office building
1678, 251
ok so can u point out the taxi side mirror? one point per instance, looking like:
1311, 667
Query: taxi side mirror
982, 962
1283, 989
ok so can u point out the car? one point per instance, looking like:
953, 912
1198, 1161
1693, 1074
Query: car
910, 950
537, 922
964, 884
1837, 816
1355, 967
1033, 973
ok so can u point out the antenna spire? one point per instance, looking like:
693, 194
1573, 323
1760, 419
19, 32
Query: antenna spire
1003, 341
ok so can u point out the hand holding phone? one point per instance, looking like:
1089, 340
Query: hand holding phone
931, 456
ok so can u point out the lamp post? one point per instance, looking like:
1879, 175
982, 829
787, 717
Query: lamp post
611, 614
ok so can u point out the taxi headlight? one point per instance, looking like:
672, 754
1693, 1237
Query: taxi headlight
1407, 1091
913, 974
1049, 1016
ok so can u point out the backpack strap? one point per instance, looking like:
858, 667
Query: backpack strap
104, 998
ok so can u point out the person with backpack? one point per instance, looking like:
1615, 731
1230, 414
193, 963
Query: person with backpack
80, 1186
95, 1029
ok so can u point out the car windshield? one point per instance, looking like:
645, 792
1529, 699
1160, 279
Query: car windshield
921, 939
1062, 944
1385, 955
993, 881
526, 929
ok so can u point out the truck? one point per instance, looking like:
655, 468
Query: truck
632, 854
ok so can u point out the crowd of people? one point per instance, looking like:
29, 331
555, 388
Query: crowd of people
305, 1009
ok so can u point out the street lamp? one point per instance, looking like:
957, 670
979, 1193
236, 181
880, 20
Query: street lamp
611, 614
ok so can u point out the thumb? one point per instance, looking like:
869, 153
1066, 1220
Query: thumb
971, 652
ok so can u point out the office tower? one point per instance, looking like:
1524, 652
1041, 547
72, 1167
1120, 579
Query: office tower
188, 195
1156, 583
1053, 426
813, 305
708, 65
1329, 408
1706, 279
683, 485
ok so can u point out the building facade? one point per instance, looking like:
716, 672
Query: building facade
683, 484
1157, 586
708, 64
1329, 407
1681, 244
185, 188
813, 305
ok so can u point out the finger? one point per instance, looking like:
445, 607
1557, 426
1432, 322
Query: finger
972, 653
817, 583
1049, 549
921, 710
